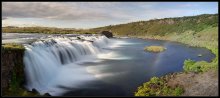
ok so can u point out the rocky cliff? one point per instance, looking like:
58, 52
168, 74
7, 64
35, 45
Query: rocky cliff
12, 68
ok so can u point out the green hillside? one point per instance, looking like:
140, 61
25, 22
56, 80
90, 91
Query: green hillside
164, 26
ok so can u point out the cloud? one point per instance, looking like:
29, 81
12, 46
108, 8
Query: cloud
99, 13
55, 10
72, 10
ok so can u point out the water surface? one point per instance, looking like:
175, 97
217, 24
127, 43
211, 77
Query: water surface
121, 68
130, 66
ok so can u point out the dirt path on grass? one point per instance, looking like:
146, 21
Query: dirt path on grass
202, 84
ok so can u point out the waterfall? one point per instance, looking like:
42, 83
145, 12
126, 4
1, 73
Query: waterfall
44, 59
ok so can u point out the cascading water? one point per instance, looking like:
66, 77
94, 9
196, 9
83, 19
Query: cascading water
53, 61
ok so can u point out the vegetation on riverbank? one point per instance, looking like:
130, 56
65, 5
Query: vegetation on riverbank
181, 84
154, 48
12, 46
158, 87
207, 38
163, 27
198, 31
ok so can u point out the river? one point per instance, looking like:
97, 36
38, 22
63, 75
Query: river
105, 67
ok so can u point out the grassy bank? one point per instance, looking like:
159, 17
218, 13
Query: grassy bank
207, 38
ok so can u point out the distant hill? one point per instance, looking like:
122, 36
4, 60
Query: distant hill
45, 30
159, 27
164, 26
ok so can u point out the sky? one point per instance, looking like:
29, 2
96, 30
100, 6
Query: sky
84, 15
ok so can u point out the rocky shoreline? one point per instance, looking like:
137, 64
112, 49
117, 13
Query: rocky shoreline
195, 84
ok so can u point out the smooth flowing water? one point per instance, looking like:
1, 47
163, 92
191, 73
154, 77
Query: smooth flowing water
98, 66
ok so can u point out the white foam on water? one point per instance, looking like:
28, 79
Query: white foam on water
53, 62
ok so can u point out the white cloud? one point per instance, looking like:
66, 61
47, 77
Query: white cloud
71, 10
54, 10
97, 13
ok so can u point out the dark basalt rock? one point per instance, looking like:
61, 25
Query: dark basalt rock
12, 67
47, 94
78, 37
107, 34
34, 91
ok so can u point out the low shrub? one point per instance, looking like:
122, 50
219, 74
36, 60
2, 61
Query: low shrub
158, 87
154, 48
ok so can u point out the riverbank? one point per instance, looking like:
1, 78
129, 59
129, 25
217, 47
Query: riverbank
196, 84
203, 72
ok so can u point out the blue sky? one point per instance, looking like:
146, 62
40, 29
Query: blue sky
95, 14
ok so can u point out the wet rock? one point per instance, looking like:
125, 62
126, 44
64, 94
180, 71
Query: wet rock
91, 41
34, 91
47, 94
12, 67
107, 34
78, 37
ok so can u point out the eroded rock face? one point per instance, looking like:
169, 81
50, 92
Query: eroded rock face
12, 68
107, 34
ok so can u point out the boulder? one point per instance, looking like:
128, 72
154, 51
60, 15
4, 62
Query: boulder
107, 34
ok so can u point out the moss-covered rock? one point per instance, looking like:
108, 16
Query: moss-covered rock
13, 46
12, 67
13, 76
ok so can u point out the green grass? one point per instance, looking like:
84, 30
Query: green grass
163, 27
207, 38
200, 66
154, 48
12, 46
158, 87
16, 88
